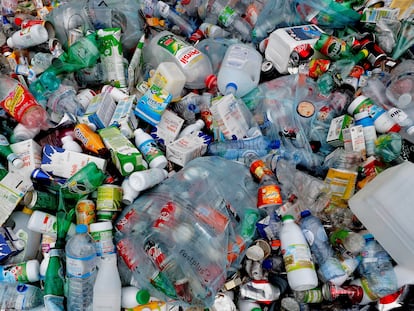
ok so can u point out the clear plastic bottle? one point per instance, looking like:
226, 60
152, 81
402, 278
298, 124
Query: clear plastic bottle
64, 100
240, 69
297, 256
166, 12
25, 109
80, 270
20, 296
330, 267
376, 266
165, 46
352, 242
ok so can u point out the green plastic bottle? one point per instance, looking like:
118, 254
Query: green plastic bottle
54, 280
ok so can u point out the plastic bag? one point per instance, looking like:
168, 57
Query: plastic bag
182, 237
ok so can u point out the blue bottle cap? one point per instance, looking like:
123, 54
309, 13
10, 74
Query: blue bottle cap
81, 228
305, 213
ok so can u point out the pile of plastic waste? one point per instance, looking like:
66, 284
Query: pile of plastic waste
206, 155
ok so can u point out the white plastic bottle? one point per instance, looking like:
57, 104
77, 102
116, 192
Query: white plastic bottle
240, 70
70, 144
28, 37
24, 272
301, 274
80, 270
147, 145
107, 288
132, 296
18, 221
170, 77
128, 193
195, 127
195, 65
46, 224
142, 180
213, 31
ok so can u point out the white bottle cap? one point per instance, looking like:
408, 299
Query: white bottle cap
18, 163
70, 144
126, 131
128, 167
33, 270
10, 42
410, 130
132, 296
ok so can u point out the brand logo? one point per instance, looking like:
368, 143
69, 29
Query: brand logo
186, 57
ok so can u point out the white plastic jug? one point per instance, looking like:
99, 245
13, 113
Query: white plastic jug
385, 208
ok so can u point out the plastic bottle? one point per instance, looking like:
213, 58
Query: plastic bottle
376, 266
20, 296
170, 77
351, 241
107, 288
269, 196
195, 127
368, 127
297, 257
132, 296
142, 180
54, 278
24, 272
89, 139
165, 46
28, 37
166, 12
64, 100
382, 121
80, 270
45, 223
7, 153
128, 193
101, 233
240, 69
18, 221
149, 148
213, 31
329, 266
220, 12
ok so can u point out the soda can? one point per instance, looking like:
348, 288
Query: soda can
109, 198
376, 55
354, 292
41, 200
85, 212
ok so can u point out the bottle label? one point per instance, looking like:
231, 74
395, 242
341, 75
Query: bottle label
333, 47
184, 53
103, 242
269, 195
297, 256
226, 16
259, 169
14, 273
80, 267
18, 102
313, 296
150, 150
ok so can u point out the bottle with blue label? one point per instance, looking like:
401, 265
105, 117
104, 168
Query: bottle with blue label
149, 148
368, 127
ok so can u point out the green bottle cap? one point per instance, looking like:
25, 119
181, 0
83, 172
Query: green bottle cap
287, 217
143, 296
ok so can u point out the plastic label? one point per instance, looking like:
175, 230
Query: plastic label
80, 267
18, 102
226, 16
269, 195
297, 256
150, 150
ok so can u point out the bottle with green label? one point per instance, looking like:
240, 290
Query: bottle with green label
7, 153
54, 280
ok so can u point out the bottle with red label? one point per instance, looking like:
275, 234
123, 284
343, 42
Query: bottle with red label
20, 104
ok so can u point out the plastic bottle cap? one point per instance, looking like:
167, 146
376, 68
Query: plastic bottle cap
211, 81
305, 213
231, 88
100, 226
81, 228
128, 167
143, 296
126, 131
410, 130
159, 162
18, 163
10, 42
355, 103
404, 100
33, 270
288, 217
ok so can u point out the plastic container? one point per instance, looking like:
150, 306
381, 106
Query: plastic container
384, 206
18, 221
24, 272
28, 37
46, 224
142, 180
196, 66
80, 270
149, 148
25, 109
170, 77
20, 296
107, 288
283, 41
240, 70
297, 256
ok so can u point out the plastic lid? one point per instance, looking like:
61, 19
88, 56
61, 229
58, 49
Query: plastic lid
138, 131
33, 270
410, 130
126, 131
274, 144
231, 88
395, 128
143, 296
211, 81
128, 167
10, 42
288, 217
267, 264
81, 228
305, 213
355, 103
100, 226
